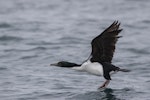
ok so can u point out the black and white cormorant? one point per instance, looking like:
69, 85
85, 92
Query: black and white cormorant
99, 61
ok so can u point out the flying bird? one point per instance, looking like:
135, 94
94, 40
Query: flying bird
100, 60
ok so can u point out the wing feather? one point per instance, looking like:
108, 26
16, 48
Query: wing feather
103, 46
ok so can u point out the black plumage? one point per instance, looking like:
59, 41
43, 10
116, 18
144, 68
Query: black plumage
103, 46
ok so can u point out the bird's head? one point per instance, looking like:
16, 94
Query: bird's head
59, 64
64, 64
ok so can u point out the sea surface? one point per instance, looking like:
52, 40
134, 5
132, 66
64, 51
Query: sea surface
36, 33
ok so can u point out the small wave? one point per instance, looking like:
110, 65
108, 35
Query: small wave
10, 38
5, 25
59, 95
138, 51
25, 50
71, 40
3, 68
36, 48
39, 48
126, 89
29, 57
40, 43
146, 21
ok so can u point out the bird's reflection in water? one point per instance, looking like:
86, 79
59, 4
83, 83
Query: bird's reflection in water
109, 95
102, 94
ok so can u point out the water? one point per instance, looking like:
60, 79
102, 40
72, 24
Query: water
35, 33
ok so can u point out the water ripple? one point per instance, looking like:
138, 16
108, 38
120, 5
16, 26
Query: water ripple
10, 38
28, 57
34, 33
5, 25
3, 68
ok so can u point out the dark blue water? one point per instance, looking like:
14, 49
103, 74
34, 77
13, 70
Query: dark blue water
35, 33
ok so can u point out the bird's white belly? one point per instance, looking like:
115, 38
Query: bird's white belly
93, 68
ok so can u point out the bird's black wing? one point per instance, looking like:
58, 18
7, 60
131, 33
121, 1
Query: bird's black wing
103, 46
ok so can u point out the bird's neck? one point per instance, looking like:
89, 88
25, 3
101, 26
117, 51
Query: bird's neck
82, 67
79, 68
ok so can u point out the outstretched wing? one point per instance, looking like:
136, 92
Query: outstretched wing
103, 46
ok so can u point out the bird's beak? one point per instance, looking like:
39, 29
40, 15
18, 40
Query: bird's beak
54, 64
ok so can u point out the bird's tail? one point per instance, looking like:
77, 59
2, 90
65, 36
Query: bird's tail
124, 70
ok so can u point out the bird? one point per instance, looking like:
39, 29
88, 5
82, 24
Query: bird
99, 62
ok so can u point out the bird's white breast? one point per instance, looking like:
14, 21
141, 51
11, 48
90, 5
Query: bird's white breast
93, 68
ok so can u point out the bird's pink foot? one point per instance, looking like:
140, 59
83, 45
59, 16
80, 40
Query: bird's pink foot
104, 84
